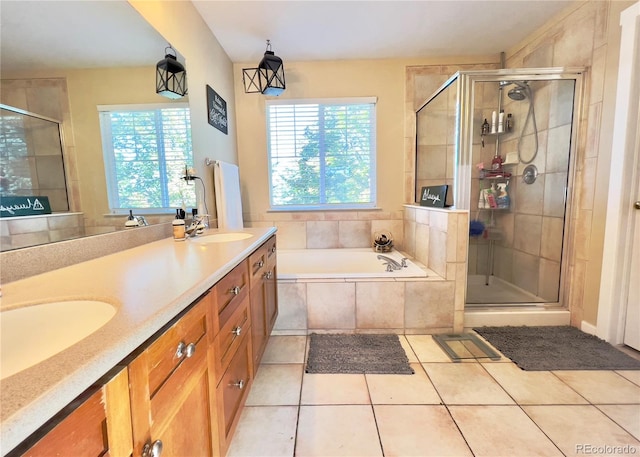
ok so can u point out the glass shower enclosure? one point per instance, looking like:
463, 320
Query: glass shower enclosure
504, 141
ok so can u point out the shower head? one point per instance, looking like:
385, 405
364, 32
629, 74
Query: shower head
518, 93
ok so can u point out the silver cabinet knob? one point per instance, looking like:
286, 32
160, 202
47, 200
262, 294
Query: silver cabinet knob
191, 349
239, 384
273, 249
152, 450
180, 349
235, 290
636, 205
236, 331
267, 275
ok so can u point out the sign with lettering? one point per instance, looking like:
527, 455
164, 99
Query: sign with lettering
24, 206
434, 196
217, 108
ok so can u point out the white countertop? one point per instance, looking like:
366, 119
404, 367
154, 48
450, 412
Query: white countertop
149, 285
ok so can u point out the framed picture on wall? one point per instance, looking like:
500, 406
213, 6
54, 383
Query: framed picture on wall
217, 110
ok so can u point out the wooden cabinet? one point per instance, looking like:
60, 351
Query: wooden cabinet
231, 352
182, 391
264, 299
170, 382
97, 423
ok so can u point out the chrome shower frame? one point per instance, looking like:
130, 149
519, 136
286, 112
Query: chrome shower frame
465, 101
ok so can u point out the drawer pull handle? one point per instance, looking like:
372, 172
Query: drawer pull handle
180, 349
152, 450
273, 249
268, 275
239, 384
235, 290
191, 349
236, 331
259, 263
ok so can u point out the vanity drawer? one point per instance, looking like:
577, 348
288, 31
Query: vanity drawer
230, 292
230, 337
271, 250
232, 393
258, 265
169, 350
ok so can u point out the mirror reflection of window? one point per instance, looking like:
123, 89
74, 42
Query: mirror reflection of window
146, 149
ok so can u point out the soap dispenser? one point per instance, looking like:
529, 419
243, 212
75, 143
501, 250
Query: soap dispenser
179, 232
131, 221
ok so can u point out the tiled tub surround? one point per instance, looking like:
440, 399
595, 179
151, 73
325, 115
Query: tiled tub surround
435, 238
148, 284
19, 232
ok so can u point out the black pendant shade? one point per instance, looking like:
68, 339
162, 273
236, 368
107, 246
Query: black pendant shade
267, 78
171, 77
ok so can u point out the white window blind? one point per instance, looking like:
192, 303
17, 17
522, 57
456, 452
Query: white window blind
322, 154
146, 150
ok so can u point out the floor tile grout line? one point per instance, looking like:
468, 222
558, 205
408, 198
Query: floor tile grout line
615, 422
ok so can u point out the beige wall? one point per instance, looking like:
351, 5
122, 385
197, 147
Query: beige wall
206, 63
384, 79
585, 35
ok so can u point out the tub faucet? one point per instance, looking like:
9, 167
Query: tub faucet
393, 263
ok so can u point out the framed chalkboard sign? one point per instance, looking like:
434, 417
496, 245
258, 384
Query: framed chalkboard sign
24, 206
434, 196
217, 108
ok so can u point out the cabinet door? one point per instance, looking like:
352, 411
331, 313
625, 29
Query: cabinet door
176, 411
258, 324
99, 424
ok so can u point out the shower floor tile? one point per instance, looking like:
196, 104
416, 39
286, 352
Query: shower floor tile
497, 292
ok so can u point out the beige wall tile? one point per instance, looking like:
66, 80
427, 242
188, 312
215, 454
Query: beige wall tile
530, 197
354, 234
28, 225
379, 305
292, 306
322, 234
437, 251
551, 242
558, 145
593, 131
573, 46
429, 304
554, 191
422, 243
525, 271
528, 230
586, 192
409, 244
292, 235
582, 234
549, 284
331, 307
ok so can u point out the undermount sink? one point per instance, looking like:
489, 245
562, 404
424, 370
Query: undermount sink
222, 237
31, 334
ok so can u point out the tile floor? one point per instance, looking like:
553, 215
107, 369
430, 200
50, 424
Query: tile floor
474, 408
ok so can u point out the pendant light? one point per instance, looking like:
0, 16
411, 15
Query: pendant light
267, 78
171, 77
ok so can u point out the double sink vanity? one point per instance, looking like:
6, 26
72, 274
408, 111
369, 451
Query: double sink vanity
147, 351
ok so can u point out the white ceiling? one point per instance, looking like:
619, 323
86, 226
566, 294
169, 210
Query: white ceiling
89, 33
304, 30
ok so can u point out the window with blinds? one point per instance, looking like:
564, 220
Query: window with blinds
146, 149
322, 154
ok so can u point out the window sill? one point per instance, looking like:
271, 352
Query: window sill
316, 209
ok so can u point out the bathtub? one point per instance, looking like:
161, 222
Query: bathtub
342, 263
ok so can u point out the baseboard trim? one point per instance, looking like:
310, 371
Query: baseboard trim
586, 327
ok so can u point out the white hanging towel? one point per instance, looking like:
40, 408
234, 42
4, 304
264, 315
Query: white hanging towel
226, 181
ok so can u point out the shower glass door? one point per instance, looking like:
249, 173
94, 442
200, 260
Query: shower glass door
516, 158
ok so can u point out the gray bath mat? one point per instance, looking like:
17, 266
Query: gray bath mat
341, 353
556, 348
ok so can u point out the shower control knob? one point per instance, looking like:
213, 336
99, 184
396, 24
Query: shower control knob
636, 205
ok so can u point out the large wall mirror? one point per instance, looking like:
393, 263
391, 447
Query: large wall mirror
61, 60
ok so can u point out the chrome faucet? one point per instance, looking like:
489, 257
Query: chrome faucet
392, 263
196, 227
